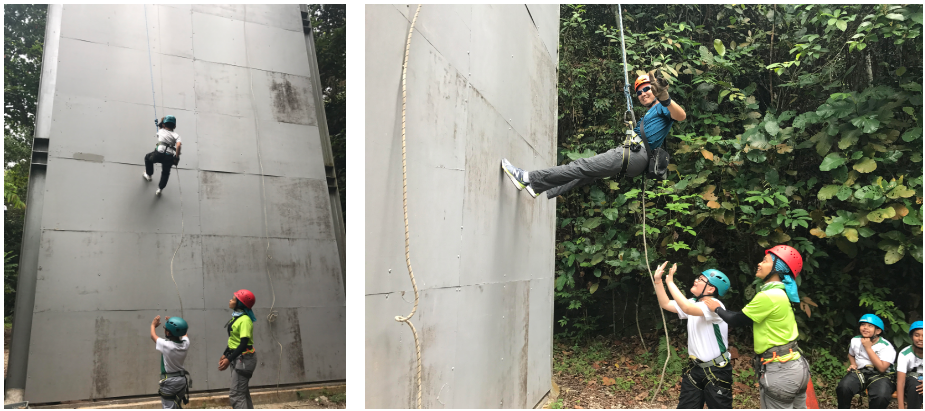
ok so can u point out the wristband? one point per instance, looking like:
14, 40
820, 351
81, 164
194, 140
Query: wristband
666, 102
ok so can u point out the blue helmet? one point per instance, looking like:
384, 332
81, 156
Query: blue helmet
717, 279
170, 119
915, 326
177, 326
872, 319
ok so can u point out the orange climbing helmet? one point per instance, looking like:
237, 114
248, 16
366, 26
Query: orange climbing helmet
643, 79
789, 256
245, 297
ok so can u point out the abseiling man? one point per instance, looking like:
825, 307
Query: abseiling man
654, 127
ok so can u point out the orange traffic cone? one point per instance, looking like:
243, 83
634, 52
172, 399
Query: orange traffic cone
811, 402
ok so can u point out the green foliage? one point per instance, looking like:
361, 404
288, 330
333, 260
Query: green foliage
826, 366
329, 28
24, 36
803, 128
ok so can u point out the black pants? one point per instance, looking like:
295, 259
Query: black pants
166, 161
913, 399
711, 385
879, 392
560, 179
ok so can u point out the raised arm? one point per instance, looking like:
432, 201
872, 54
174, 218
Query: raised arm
663, 300
688, 307
156, 322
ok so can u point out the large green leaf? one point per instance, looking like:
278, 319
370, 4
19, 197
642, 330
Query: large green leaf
831, 161
844, 193
850, 138
772, 128
881, 214
866, 165
592, 223
900, 192
834, 229
828, 192
718, 45
912, 134
893, 256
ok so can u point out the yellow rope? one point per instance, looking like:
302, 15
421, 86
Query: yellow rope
404, 199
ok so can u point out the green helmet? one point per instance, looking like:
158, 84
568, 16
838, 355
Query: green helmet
170, 119
177, 326
717, 279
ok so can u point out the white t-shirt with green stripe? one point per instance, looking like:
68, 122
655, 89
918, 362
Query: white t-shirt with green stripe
707, 336
882, 348
907, 361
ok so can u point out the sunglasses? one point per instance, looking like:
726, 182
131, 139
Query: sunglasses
644, 89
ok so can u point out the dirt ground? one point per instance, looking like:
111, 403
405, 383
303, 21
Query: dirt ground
621, 374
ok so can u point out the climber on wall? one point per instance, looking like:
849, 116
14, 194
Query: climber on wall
630, 159
166, 152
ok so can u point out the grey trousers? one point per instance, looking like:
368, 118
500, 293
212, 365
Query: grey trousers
555, 181
172, 385
240, 393
783, 384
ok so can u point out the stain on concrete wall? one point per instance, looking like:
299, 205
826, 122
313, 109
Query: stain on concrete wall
106, 240
481, 85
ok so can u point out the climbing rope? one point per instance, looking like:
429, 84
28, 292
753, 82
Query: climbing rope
150, 65
631, 120
271, 317
404, 199
182, 219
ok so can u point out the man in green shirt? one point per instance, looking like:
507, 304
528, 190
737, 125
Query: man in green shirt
783, 372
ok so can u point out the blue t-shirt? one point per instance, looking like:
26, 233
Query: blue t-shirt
658, 123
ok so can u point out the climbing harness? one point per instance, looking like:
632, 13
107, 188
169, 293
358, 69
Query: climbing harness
630, 118
271, 317
179, 186
404, 199
182, 396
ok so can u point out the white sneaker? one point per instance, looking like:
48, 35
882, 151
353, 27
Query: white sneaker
158, 192
146, 176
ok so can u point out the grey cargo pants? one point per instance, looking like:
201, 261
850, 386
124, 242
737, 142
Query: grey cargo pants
783, 384
241, 372
558, 180
172, 385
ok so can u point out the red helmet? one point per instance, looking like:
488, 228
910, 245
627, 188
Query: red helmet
789, 256
643, 79
245, 297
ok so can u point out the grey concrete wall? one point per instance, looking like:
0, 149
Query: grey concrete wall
237, 77
481, 86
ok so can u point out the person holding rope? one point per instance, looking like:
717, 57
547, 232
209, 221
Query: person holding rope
871, 357
166, 152
707, 378
175, 382
240, 351
909, 370
782, 370
630, 159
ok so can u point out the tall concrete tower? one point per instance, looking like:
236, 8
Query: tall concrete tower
248, 207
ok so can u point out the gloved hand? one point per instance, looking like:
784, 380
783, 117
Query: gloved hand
659, 85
